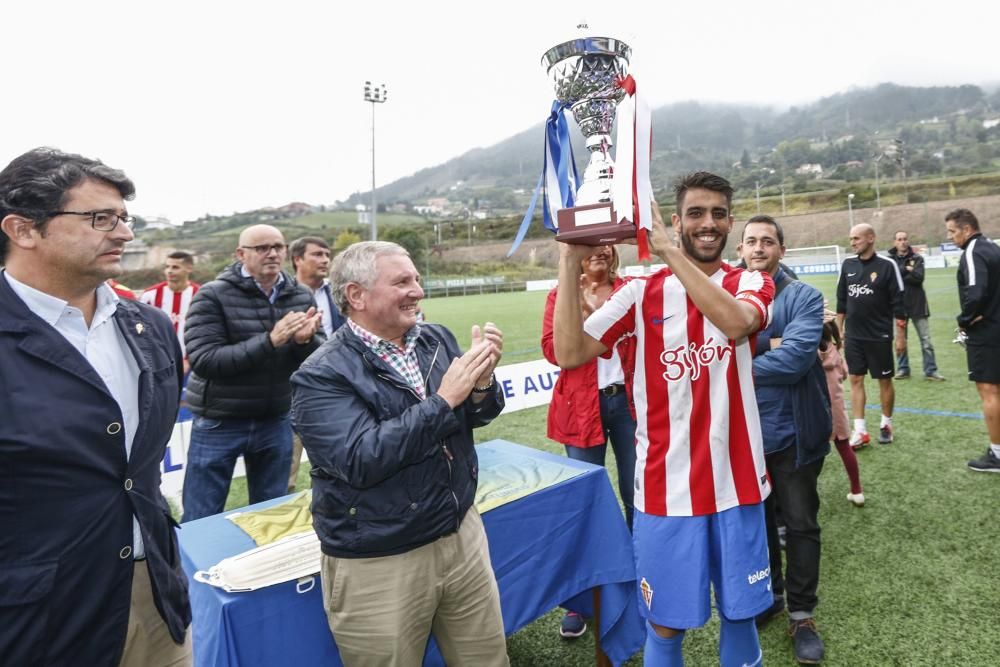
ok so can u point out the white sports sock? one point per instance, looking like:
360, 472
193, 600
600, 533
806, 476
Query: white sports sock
859, 426
996, 450
886, 421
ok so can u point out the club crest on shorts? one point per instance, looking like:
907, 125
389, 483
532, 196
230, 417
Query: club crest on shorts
647, 592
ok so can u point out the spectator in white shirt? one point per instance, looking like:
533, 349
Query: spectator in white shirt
311, 261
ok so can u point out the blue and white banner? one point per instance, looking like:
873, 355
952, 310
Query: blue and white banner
527, 384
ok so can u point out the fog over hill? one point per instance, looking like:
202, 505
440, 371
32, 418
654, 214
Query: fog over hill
691, 135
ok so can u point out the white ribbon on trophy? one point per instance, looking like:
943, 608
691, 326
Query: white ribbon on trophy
631, 190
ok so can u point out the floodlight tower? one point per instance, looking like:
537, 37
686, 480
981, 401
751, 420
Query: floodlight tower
375, 95
901, 161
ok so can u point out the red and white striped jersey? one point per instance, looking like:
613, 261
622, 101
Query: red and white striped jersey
698, 442
174, 304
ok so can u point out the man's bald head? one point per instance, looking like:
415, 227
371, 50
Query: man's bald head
262, 251
863, 240
863, 228
253, 234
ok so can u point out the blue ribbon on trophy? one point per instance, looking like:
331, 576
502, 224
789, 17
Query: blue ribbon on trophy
559, 178
590, 77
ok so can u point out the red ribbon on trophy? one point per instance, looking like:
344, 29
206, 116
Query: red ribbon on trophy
632, 191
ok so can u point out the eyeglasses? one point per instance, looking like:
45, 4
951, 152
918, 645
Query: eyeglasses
102, 221
264, 250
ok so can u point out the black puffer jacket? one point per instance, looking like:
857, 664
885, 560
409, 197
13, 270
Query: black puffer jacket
236, 372
390, 472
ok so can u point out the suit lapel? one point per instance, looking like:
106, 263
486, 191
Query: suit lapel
138, 336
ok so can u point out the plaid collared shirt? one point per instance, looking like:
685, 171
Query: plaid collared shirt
403, 361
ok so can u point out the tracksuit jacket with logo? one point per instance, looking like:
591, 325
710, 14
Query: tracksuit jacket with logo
870, 292
979, 290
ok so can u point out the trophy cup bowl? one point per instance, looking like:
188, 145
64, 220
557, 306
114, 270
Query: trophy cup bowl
585, 73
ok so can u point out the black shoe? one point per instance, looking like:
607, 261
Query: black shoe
985, 463
572, 626
885, 435
808, 645
775, 609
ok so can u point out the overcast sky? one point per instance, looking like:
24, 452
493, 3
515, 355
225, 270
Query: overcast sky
220, 106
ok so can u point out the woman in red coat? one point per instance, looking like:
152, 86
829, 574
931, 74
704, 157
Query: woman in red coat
592, 403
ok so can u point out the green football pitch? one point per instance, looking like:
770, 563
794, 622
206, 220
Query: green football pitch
910, 579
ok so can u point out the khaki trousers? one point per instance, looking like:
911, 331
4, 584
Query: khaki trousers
148, 643
382, 610
293, 474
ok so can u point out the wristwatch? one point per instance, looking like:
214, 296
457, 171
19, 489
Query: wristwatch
487, 389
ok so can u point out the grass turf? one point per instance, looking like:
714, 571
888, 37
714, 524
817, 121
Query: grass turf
907, 580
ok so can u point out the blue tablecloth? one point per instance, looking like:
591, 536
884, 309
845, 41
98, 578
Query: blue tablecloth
548, 549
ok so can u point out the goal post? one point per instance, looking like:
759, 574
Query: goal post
814, 259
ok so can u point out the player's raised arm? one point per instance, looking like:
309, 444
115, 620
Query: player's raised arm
573, 346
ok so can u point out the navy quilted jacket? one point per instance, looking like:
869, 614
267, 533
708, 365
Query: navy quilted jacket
236, 372
390, 472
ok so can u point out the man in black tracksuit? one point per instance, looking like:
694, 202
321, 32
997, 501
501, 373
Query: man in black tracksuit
979, 296
869, 296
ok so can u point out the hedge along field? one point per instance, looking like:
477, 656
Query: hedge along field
518, 314
910, 579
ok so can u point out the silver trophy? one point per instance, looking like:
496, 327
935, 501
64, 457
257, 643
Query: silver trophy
585, 73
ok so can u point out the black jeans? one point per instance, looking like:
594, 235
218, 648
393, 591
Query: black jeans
795, 493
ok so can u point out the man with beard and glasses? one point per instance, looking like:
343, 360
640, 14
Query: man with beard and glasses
700, 476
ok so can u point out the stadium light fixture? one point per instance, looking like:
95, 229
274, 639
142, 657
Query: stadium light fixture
375, 95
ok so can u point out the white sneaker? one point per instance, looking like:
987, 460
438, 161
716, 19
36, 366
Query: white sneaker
859, 440
858, 499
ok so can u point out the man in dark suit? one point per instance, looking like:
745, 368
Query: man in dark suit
89, 568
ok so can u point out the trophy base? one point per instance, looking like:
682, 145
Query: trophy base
593, 224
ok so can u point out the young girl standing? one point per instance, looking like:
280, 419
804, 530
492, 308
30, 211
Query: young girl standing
836, 373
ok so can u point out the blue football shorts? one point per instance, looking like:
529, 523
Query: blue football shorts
676, 559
